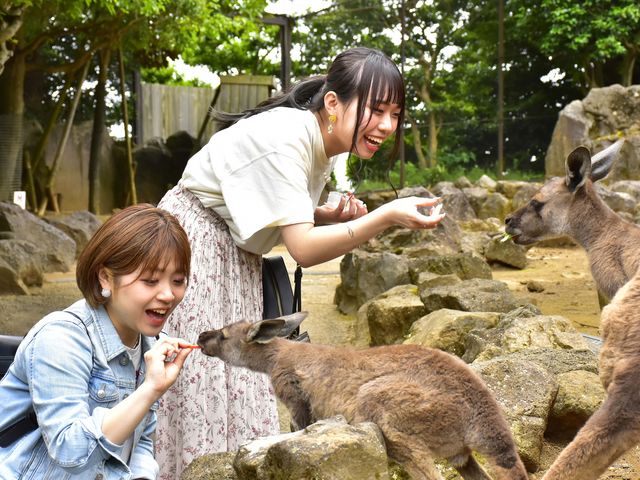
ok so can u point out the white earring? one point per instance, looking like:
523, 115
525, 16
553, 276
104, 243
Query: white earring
105, 292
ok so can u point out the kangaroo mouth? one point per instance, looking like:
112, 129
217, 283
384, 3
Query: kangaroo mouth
516, 236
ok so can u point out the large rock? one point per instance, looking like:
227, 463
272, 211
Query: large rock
455, 202
620, 202
447, 329
390, 315
505, 252
580, 394
476, 295
463, 265
495, 205
365, 275
56, 247
79, 225
517, 333
525, 391
25, 260
329, 449
596, 122
10, 281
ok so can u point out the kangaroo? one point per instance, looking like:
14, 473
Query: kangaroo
426, 402
570, 206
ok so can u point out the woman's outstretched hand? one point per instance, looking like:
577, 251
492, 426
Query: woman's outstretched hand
406, 212
348, 208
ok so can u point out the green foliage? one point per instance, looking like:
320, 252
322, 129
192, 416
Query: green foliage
167, 76
592, 40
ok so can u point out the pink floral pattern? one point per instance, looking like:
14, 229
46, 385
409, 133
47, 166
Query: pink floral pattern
212, 407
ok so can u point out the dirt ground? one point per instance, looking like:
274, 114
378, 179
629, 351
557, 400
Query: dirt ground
563, 274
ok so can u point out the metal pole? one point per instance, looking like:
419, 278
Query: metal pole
284, 23
401, 130
500, 88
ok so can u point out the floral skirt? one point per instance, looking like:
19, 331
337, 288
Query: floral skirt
212, 407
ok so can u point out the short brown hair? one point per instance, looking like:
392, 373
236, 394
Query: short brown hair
137, 237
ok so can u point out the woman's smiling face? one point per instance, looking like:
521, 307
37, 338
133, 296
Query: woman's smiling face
379, 121
141, 301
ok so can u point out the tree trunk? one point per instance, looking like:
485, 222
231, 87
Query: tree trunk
49, 196
11, 124
97, 139
417, 143
10, 23
628, 64
433, 140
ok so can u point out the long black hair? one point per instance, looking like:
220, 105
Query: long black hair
362, 73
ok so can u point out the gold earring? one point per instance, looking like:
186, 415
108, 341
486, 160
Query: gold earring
332, 120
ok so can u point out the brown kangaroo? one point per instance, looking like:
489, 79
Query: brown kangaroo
426, 402
570, 206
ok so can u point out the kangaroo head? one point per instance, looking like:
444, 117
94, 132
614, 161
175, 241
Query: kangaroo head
239, 342
549, 212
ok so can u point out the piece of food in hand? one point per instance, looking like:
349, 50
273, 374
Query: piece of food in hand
188, 345
506, 236
334, 199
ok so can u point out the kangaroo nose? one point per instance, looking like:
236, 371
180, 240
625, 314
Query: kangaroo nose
508, 219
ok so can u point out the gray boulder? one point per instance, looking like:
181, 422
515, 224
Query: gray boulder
526, 392
455, 202
80, 226
25, 259
596, 122
447, 329
365, 275
329, 449
580, 394
506, 253
56, 247
465, 266
390, 315
10, 281
519, 333
476, 295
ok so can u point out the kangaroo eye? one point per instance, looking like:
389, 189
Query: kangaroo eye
536, 205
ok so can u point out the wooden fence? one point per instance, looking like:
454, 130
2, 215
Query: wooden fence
166, 109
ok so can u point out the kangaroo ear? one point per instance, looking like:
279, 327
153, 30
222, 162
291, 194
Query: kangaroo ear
292, 322
602, 162
577, 168
265, 330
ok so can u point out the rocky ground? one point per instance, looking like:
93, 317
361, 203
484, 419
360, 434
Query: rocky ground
561, 285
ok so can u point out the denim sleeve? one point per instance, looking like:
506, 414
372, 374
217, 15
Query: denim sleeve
143, 464
59, 364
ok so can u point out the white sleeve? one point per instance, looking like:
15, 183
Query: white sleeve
270, 191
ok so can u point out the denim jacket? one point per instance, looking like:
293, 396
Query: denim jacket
71, 371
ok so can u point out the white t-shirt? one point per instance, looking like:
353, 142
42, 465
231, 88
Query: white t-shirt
263, 172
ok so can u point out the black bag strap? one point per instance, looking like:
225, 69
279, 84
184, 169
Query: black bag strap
297, 291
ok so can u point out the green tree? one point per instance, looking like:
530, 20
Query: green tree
597, 42
59, 37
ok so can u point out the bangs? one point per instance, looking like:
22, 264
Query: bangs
165, 249
380, 82
388, 89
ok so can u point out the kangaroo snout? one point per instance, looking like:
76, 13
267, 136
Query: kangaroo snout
205, 338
